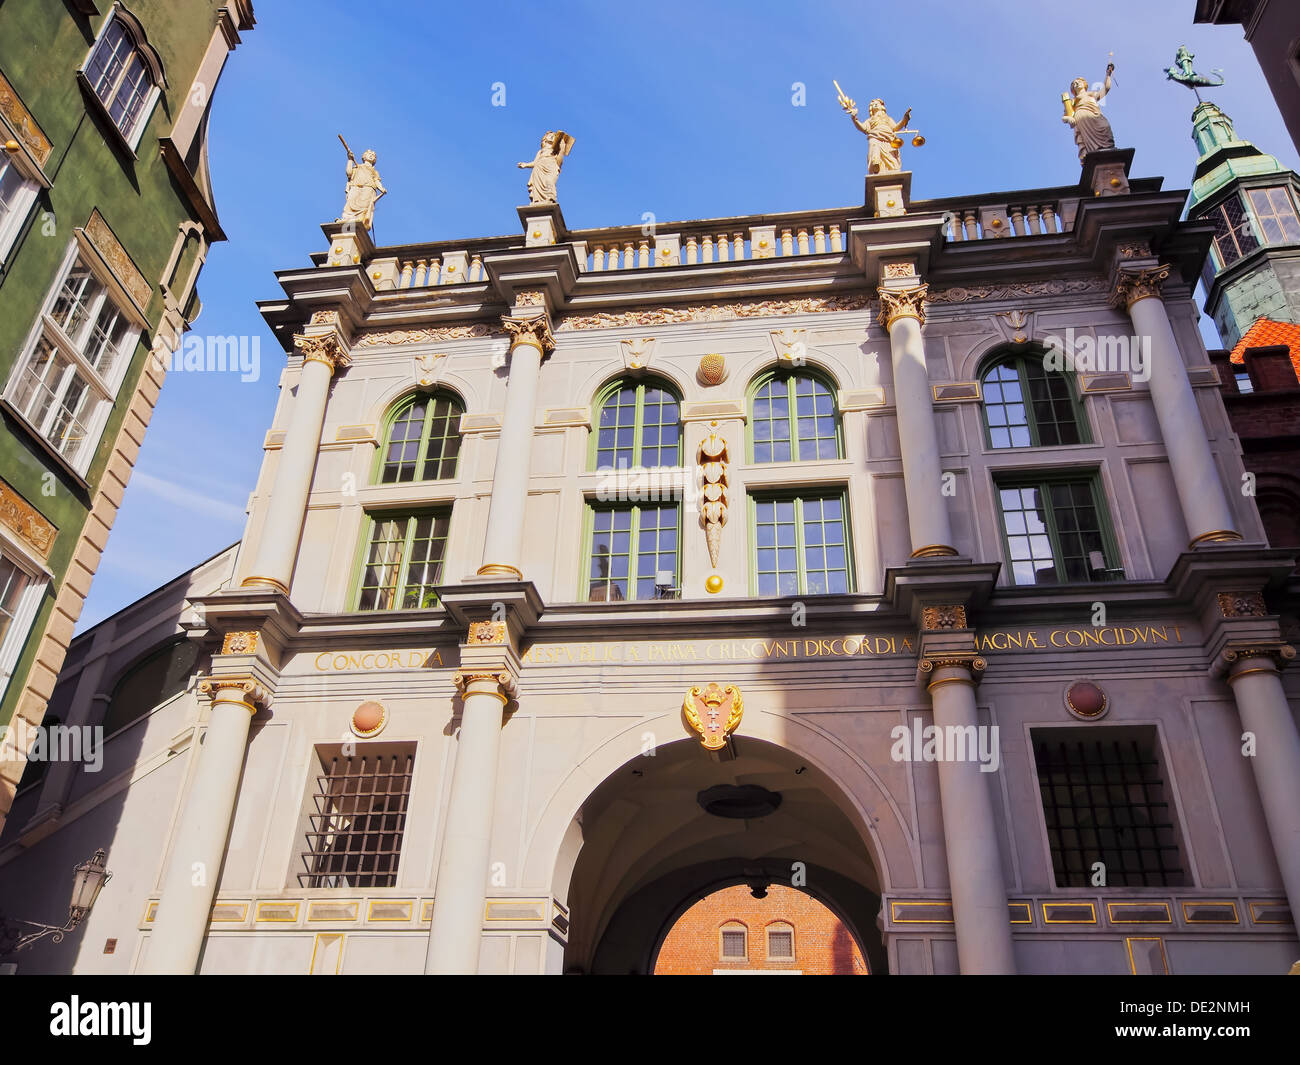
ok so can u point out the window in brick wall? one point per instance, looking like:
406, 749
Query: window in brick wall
780, 942
734, 947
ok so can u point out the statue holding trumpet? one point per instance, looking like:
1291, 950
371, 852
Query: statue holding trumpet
882, 133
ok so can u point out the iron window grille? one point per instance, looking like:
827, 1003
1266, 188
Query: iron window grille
1106, 801
733, 944
357, 818
780, 944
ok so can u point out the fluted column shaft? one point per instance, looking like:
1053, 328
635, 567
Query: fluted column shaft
902, 312
190, 878
1201, 497
277, 545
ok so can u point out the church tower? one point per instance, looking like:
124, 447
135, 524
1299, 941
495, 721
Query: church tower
1253, 270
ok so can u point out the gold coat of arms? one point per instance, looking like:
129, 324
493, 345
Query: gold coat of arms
714, 713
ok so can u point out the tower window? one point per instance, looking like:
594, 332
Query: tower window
1233, 235
1276, 215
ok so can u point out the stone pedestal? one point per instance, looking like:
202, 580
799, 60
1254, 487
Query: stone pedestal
1105, 173
889, 194
350, 243
543, 224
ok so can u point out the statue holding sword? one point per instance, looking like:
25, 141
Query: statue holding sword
364, 188
882, 133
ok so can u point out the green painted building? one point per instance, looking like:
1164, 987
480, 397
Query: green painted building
106, 215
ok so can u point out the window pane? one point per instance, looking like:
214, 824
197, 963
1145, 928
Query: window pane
660, 417
615, 442
11, 182
628, 567
823, 565
12, 582
442, 440
72, 305
397, 578
108, 59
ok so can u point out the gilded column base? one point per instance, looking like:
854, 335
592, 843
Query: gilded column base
270, 582
934, 551
1216, 536
499, 569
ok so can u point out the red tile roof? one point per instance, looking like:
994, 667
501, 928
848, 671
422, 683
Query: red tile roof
1265, 333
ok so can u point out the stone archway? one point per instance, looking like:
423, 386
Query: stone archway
650, 848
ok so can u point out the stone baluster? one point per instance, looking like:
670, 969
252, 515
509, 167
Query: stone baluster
837, 238
408, 269
787, 242
643, 254
819, 239
692, 251
802, 237
723, 248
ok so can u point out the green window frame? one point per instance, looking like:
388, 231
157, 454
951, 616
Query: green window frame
793, 417
421, 440
1026, 405
401, 559
800, 543
637, 423
1056, 519
634, 543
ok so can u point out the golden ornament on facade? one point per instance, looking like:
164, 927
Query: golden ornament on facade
713, 312
26, 521
534, 329
712, 370
943, 617
714, 713
240, 643
238, 688
486, 632
1134, 285
326, 349
713, 460
1242, 605
896, 303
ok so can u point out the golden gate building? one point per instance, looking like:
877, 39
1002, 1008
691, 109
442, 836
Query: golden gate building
591, 571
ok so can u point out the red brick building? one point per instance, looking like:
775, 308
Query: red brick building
786, 931
1261, 391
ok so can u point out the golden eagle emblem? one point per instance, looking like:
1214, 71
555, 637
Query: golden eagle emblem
714, 713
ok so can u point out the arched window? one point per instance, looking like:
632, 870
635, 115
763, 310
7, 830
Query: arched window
124, 72
1027, 405
793, 418
149, 683
733, 942
638, 423
422, 442
780, 941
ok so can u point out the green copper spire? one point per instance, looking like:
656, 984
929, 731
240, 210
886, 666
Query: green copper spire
1223, 156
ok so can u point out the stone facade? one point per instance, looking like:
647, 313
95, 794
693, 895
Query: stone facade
581, 755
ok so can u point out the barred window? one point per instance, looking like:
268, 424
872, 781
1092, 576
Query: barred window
357, 816
1105, 800
780, 943
734, 947
422, 442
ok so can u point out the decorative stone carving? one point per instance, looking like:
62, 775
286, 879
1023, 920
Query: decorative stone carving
1018, 321
364, 189
1092, 132
1134, 285
715, 312
896, 270
21, 122
943, 617
533, 297
1055, 287
637, 352
325, 318
967, 660
1242, 605
534, 329
432, 335
1086, 700
712, 370
240, 643
714, 713
898, 303
427, 367
713, 508
1280, 653
1134, 249
26, 521
486, 632
507, 686
791, 345
122, 265
546, 165
326, 348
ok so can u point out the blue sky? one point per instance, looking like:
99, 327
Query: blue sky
685, 110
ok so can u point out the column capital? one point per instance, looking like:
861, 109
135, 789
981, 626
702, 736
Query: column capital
1139, 284
242, 688
531, 329
328, 348
968, 661
902, 302
1241, 657
503, 684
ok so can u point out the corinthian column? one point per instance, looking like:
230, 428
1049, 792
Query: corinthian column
902, 312
277, 545
487, 684
1265, 714
190, 878
1201, 497
531, 341
970, 835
